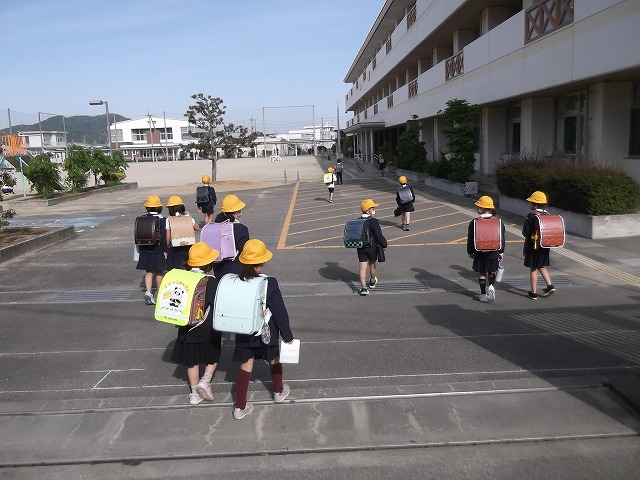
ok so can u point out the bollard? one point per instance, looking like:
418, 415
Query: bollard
285, 176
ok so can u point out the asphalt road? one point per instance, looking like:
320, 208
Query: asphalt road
417, 380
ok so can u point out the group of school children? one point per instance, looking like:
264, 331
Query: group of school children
201, 344
487, 261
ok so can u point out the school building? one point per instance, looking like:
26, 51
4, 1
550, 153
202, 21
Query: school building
551, 78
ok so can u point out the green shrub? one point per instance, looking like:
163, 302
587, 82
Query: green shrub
592, 189
43, 175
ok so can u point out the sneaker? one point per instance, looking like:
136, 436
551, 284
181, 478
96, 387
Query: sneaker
330, 201
148, 298
491, 293
483, 297
406, 227
533, 296
402, 226
281, 397
548, 291
364, 291
204, 390
239, 414
194, 398
373, 282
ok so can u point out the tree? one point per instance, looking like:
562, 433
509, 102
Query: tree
43, 175
461, 139
77, 166
207, 115
410, 148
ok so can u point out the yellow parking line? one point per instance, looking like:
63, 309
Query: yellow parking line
287, 220
431, 230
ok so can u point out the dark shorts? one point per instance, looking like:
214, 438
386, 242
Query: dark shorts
331, 189
367, 255
207, 209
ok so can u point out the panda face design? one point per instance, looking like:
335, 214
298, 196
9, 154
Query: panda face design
177, 294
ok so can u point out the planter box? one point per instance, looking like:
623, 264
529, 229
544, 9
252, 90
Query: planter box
594, 227
415, 177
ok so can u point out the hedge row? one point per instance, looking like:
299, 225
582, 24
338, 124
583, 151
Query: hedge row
591, 189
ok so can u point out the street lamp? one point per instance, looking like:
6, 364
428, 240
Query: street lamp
106, 106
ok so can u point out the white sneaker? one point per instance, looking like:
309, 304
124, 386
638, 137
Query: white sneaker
194, 398
204, 390
491, 293
238, 413
281, 397
148, 298
483, 297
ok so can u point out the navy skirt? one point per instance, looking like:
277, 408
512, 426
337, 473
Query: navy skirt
190, 354
537, 258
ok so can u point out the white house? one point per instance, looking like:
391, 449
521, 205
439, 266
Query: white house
52, 142
551, 77
152, 138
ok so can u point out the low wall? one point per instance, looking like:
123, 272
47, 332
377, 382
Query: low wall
69, 197
594, 227
49, 236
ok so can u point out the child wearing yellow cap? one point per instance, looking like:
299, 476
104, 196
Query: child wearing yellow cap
535, 256
368, 255
177, 255
153, 258
485, 262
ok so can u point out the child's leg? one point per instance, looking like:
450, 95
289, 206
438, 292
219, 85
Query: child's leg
193, 374
407, 217
159, 276
533, 277
242, 383
492, 278
363, 273
482, 281
545, 275
148, 280
275, 369
373, 271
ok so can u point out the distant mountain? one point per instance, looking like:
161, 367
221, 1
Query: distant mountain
80, 128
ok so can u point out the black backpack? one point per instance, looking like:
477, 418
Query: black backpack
203, 195
147, 230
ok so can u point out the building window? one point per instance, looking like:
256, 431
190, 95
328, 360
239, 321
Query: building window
168, 135
513, 129
634, 135
568, 111
139, 134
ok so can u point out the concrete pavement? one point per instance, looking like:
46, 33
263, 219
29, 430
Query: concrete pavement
508, 389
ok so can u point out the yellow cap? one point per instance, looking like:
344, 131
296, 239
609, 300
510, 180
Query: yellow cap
330, 169
201, 254
206, 179
153, 201
537, 197
402, 179
174, 200
255, 252
485, 202
231, 203
367, 204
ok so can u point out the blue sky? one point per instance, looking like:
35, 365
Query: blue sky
151, 55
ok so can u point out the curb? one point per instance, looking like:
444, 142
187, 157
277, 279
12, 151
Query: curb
53, 235
75, 196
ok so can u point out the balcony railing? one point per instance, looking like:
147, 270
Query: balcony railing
390, 101
375, 109
374, 63
454, 66
411, 17
546, 17
413, 88
388, 46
